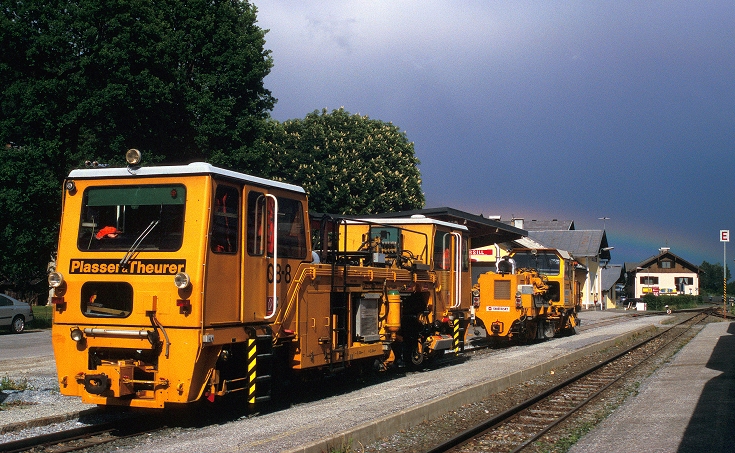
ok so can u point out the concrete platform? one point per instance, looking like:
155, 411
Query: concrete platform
687, 406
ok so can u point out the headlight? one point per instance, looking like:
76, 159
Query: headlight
77, 334
133, 157
182, 280
55, 279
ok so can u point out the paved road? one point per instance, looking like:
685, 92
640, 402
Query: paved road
29, 344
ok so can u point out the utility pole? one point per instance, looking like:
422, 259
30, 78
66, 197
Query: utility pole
724, 238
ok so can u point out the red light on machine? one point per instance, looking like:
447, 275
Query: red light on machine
59, 303
184, 306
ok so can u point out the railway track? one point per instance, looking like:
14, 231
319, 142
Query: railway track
127, 424
521, 426
83, 437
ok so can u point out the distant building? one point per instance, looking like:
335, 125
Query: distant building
662, 275
611, 275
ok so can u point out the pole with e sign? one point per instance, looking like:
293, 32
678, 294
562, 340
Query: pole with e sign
724, 238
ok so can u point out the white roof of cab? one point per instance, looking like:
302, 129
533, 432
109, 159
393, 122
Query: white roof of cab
195, 168
414, 220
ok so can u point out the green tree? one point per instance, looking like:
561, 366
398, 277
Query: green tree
182, 80
29, 202
711, 278
348, 164
87, 79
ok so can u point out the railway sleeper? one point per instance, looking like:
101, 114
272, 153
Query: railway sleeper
547, 412
532, 422
564, 404
579, 392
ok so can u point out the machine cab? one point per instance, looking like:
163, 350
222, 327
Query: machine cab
441, 246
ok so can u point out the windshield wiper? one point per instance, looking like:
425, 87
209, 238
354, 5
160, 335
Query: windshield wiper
136, 244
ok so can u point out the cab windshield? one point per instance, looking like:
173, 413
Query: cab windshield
547, 263
149, 217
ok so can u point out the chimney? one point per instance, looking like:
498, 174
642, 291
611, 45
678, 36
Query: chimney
663, 250
518, 223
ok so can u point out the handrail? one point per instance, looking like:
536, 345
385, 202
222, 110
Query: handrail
457, 270
296, 288
370, 223
275, 253
94, 332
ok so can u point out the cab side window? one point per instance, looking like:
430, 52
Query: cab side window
257, 225
465, 255
291, 231
291, 235
442, 250
225, 220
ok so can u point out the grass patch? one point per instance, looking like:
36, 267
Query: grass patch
566, 442
344, 448
7, 406
42, 316
7, 383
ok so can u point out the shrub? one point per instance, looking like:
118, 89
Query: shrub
659, 303
6, 383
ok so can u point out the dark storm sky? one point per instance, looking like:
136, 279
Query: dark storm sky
569, 110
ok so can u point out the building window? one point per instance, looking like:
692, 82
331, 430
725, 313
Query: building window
666, 264
648, 280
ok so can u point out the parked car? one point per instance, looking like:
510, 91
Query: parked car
14, 314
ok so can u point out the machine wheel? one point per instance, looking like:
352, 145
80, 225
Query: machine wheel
417, 355
18, 325
569, 331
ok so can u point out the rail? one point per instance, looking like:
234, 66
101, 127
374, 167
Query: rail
526, 422
84, 437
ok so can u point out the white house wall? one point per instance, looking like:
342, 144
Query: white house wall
590, 289
666, 283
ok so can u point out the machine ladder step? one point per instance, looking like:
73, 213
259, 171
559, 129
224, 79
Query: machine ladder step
260, 369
